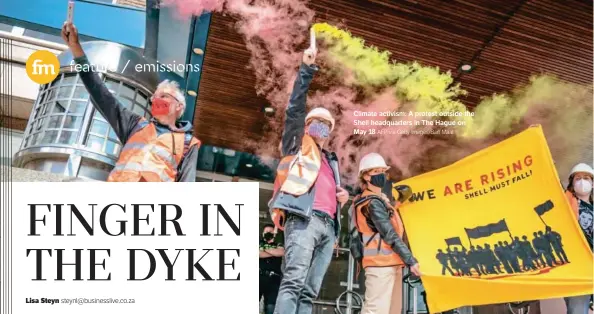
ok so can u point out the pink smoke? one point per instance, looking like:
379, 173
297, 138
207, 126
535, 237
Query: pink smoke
273, 31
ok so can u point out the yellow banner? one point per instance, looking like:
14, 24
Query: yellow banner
495, 227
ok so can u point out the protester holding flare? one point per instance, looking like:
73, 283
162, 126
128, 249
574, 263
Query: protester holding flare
381, 229
308, 194
159, 150
579, 193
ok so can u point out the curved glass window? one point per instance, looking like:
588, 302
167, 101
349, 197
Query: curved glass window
57, 118
62, 108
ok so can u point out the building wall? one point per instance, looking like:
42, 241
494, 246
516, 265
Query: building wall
14, 138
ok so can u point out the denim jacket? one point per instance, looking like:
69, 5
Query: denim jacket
291, 143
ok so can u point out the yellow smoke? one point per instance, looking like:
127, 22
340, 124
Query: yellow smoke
431, 90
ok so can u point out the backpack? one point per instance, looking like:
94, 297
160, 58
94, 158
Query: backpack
354, 238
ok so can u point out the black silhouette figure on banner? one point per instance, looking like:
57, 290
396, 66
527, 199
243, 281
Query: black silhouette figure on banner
461, 262
548, 248
444, 259
524, 250
485, 259
501, 254
454, 262
516, 256
543, 248
465, 263
534, 256
513, 257
473, 260
493, 265
555, 240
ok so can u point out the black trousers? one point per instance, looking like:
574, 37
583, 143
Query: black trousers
269, 289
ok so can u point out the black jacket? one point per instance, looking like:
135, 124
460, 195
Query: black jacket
291, 143
378, 216
124, 121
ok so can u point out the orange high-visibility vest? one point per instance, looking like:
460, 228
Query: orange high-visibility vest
296, 174
376, 253
151, 158
573, 201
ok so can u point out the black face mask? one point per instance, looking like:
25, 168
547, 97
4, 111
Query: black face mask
378, 180
268, 236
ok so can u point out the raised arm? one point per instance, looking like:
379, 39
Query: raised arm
121, 119
296, 109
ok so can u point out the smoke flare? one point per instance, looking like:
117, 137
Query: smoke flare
356, 77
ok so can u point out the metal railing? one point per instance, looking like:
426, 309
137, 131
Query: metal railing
33, 41
354, 301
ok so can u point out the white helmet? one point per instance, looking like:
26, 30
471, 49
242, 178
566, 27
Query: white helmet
582, 168
372, 161
321, 113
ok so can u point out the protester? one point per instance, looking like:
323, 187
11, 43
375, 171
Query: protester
307, 192
271, 255
579, 194
157, 150
384, 252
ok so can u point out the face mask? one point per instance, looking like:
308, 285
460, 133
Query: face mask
268, 236
378, 180
160, 107
318, 130
583, 187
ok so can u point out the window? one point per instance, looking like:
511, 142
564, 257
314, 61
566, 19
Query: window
57, 118
43, 36
5, 27
60, 112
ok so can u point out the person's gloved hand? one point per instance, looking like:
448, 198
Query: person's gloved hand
404, 193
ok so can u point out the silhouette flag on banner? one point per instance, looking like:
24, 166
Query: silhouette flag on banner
488, 230
453, 241
544, 207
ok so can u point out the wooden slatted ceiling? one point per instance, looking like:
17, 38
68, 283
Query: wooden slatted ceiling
542, 36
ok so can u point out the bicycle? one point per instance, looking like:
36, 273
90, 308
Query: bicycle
414, 282
356, 302
522, 307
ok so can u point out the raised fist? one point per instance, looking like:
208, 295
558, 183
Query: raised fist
309, 56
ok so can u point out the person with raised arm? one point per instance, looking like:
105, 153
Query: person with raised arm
161, 149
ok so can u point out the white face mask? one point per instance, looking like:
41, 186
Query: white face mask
583, 187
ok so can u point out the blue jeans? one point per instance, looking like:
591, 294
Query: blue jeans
308, 252
578, 305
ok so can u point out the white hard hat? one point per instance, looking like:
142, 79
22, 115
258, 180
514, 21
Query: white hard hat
582, 168
372, 161
321, 113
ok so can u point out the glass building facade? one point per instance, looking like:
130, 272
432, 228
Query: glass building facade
65, 134
62, 107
